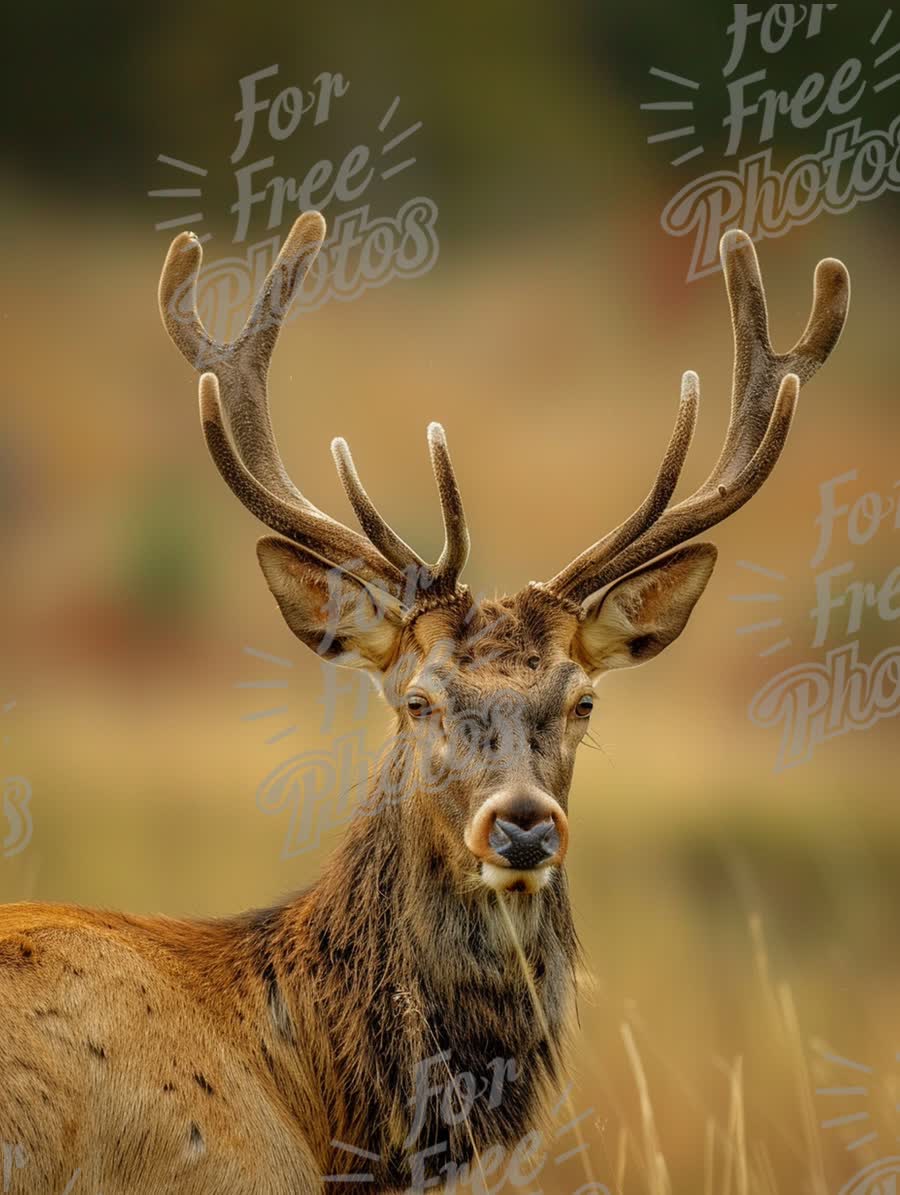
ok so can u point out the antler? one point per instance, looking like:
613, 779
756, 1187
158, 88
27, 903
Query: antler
234, 410
764, 395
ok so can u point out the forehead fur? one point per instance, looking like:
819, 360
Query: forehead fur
506, 631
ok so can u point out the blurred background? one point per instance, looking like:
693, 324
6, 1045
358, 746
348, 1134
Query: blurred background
739, 920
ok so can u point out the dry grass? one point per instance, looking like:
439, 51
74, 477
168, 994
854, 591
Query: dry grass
730, 916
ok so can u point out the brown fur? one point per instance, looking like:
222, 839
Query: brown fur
255, 1054
159, 1055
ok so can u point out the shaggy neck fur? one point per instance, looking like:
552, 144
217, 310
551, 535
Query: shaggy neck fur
387, 962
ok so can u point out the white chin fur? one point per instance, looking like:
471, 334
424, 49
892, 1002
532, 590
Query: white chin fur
504, 879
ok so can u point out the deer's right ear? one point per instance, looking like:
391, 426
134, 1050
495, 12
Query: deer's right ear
643, 613
332, 612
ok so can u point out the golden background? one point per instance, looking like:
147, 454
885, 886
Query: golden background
740, 920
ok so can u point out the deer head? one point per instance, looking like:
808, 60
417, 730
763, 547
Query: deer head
492, 698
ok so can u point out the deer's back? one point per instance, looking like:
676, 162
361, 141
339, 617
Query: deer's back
114, 1060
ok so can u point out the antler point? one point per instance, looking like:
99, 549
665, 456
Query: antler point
311, 218
733, 240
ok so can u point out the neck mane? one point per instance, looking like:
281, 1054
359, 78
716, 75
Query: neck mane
390, 961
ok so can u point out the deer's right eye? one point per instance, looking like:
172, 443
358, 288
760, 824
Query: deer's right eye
418, 705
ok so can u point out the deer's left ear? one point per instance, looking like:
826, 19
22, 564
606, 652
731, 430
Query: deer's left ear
642, 614
331, 611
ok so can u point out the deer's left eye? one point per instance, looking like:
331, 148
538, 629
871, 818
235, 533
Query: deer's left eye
418, 705
583, 706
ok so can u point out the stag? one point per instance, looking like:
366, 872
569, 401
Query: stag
267, 1052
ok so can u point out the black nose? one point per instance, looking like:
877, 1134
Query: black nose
524, 849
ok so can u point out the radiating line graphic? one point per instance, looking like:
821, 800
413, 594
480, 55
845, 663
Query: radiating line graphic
760, 626
579, 1149
755, 597
853, 1091
564, 1096
679, 105
670, 78
850, 1118
352, 1178
268, 711
668, 106
763, 572
7, 708
389, 115
886, 83
848, 1062
280, 709
281, 734
567, 1128
882, 26
193, 218
180, 193
672, 134
559, 1159
176, 193
885, 56
766, 597
686, 157
776, 647
396, 169
179, 165
396, 140
270, 659
864, 1140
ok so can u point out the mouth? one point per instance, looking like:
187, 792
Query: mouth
510, 879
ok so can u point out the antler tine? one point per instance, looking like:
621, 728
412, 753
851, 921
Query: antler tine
238, 430
758, 369
764, 395
242, 366
706, 507
382, 535
320, 535
455, 553
583, 569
